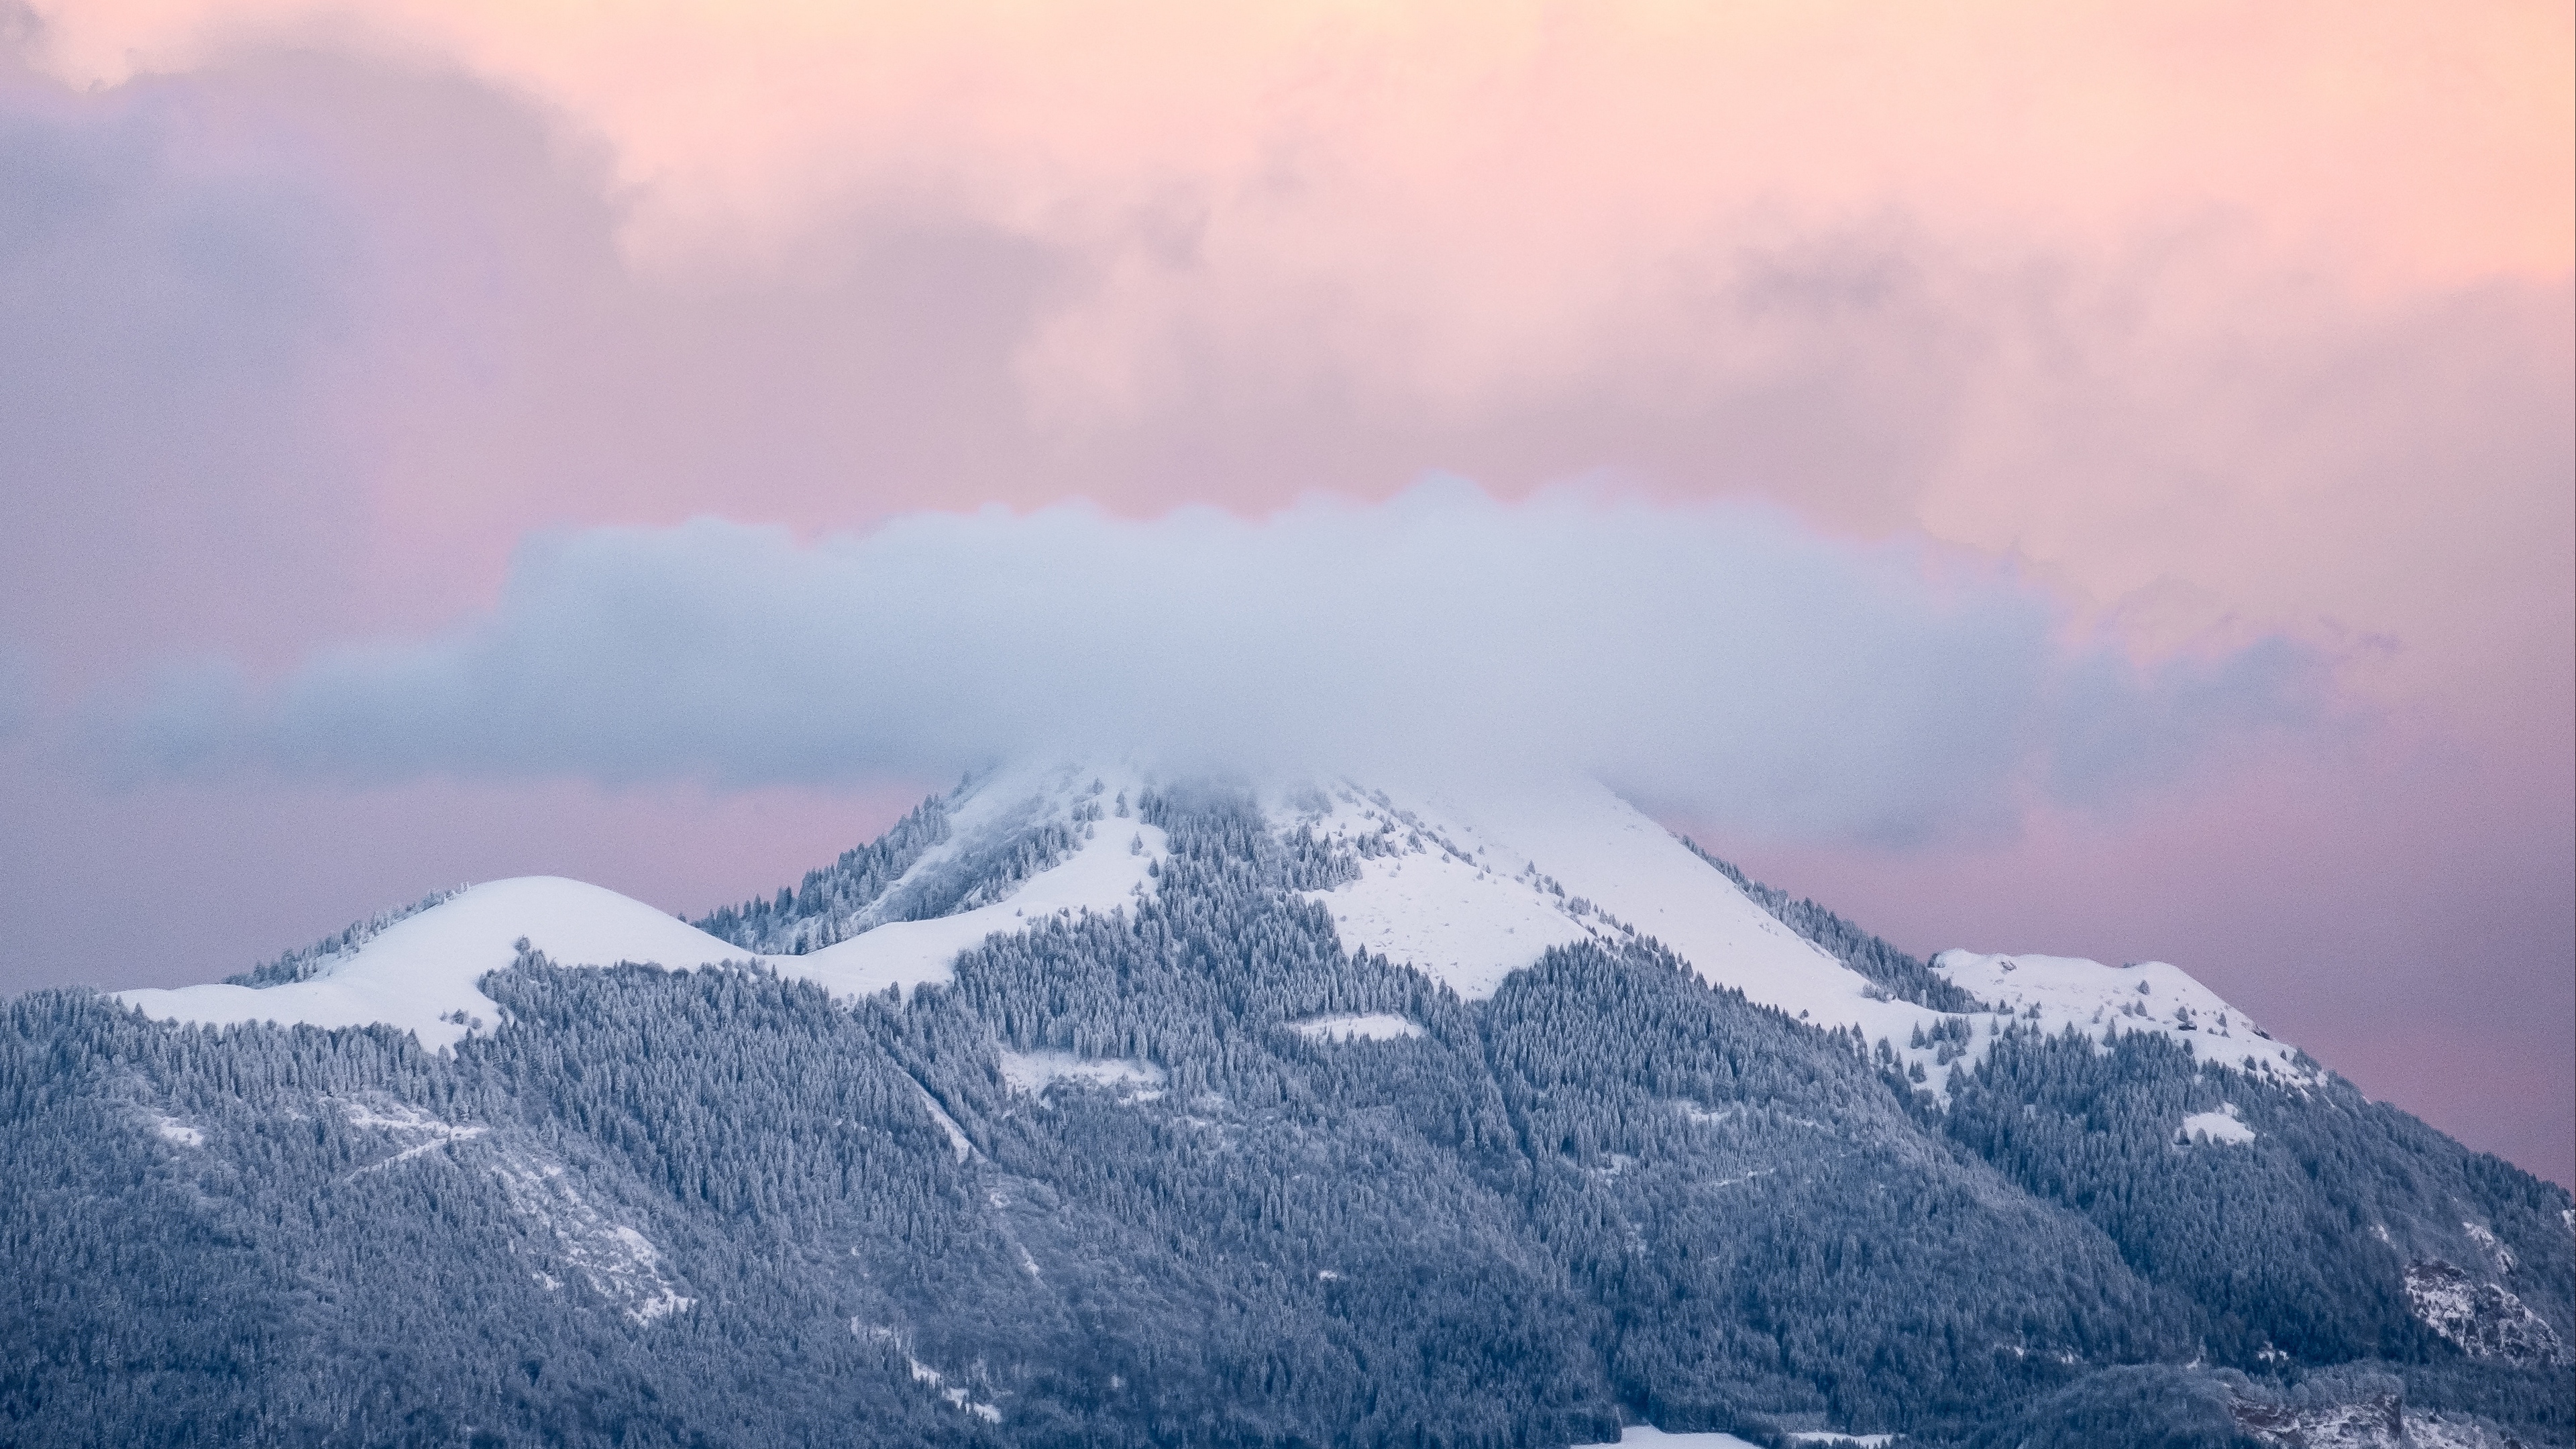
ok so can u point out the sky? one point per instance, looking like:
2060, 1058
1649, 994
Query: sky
2095, 479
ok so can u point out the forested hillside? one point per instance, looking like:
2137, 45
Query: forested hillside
1121, 1180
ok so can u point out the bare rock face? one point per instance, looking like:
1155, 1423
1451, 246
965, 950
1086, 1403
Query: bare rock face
2444, 1432
2485, 1320
2374, 1418
2374, 1422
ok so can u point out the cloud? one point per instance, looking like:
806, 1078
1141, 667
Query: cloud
161, 307
1720, 657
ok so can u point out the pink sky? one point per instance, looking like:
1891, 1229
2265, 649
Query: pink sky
2221, 323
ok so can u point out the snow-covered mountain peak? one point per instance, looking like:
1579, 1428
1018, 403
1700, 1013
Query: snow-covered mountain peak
420, 973
1465, 883
1017, 847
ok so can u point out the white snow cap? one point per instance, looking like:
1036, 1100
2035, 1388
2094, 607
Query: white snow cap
420, 972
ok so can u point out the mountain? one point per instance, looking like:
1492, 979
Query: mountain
1089, 1107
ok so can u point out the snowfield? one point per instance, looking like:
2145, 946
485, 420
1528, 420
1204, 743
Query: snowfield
958, 1142
619, 1263
923, 1373
1469, 894
1568, 863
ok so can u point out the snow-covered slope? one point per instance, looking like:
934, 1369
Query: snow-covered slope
1467, 887
2057, 992
1107, 870
420, 973
1469, 890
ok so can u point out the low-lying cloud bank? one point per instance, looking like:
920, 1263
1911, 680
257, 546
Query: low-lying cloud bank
1714, 658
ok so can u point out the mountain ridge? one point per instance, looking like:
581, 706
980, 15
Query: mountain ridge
958, 857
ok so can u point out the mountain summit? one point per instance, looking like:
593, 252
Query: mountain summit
1091, 1107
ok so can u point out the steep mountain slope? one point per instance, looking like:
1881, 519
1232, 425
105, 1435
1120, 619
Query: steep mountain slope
1086, 1109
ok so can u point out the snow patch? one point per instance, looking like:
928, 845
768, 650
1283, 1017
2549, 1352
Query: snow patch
428, 1134
1369, 1026
2375, 1422
957, 1140
1033, 1073
620, 1264
923, 1373
2427, 1430
171, 1129
2478, 1234
2222, 1126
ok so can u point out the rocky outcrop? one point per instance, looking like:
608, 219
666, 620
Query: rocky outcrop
2486, 1321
